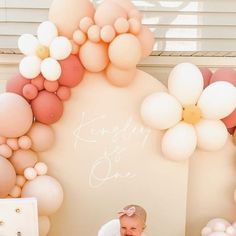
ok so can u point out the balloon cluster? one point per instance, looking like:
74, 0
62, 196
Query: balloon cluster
219, 227
189, 114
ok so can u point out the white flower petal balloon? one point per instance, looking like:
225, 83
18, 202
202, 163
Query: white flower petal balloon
30, 67
28, 44
51, 69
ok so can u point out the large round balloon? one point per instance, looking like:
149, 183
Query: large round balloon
67, 16
186, 83
15, 115
161, 111
47, 203
179, 142
7, 177
47, 108
218, 100
42, 137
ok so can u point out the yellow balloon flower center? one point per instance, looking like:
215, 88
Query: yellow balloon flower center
42, 52
191, 114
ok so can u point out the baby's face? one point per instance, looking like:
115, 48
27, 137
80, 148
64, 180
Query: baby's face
131, 226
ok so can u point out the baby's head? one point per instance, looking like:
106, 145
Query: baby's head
132, 220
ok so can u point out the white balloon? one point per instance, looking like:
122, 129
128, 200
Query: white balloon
28, 44
161, 111
218, 234
51, 69
185, 82
60, 48
47, 31
211, 134
218, 100
206, 231
219, 227
231, 231
212, 222
179, 142
30, 67
44, 225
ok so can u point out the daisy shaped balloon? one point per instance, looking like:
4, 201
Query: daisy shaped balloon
189, 115
42, 53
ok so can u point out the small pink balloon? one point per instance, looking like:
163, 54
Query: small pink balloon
23, 159
13, 143
206, 74
42, 137
30, 91
118, 77
15, 192
107, 33
94, 56
30, 173
94, 33
147, 40
5, 151
224, 74
108, 12
7, 177
79, 37
230, 121
134, 26
20, 180
2, 140
51, 86
38, 82
121, 25
86, 23
41, 168
125, 51
15, 115
64, 93
24, 142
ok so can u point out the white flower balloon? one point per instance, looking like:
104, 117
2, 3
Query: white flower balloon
51, 69
30, 67
28, 44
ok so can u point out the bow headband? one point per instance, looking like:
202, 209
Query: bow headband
129, 212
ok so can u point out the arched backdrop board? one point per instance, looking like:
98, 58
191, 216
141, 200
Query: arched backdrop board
106, 158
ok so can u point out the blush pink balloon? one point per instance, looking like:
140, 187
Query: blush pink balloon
15, 115
7, 177
72, 71
51, 86
42, 137
30, 91
147, 40
224, 74
47, 107
38, 82
230, 121
23, 159
206, 74
67, 16
64, 93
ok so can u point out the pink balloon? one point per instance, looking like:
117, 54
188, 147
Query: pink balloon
72, 71
206, 74
38, 82
30, 91
230, 121
224, 74
64, 93
16, 84
147, 40
23, 159
51, 86
47, 108
15, 115
67, 16
7, 177
42, 137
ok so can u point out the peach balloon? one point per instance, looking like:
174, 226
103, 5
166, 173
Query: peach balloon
30, 173
134, 26
108, 12
85, 24
79, 37
20, 180
7, 177
121, 25
41, 168
126, 4
25, 142
13, 143
44, 225
15, 192
94, 56
51, 86
94, 33
107, 33
67, 16
64, 93
15, 115
125, 51
5, 151
120, 77
23, 159
30, 91
47, 203
147, 40
38, 82
42, 137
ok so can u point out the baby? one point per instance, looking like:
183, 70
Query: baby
131, 222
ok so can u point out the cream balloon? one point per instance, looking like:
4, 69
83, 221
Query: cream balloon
185, 82
30, 67
219, 227
212, 134
51, 69
161, 111
28, 44
218, 100
44, 225
179, 142
46, 32
212, 222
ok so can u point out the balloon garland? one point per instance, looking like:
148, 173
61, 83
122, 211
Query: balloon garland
112, 39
